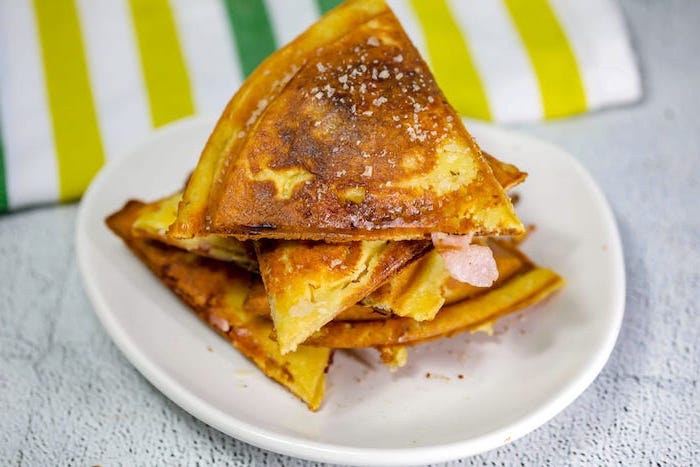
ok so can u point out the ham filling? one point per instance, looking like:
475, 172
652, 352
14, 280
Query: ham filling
473, 264
219, 322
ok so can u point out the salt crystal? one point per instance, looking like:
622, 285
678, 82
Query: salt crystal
373, 41
368, 171
343, 79
399, 76
367, 113
384, 74
319, 95
379, 101
398, 58
320, 67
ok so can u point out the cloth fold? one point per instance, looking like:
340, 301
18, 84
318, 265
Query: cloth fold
82, 81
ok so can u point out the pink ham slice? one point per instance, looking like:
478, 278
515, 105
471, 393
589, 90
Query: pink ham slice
473, 264
219, 322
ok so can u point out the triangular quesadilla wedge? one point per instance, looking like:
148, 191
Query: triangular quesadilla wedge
216, 290
352, 140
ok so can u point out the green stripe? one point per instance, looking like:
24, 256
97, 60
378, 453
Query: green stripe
164, 70
3, 183
451, 60
551, 55
79, 152
327, 5
252, 32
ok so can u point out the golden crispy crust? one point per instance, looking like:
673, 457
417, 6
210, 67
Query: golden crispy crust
507, 175
359, 144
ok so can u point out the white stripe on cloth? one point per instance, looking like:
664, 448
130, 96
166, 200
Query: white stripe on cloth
290, 18
115, 74
208, 47
30, 158
597, 34
410, 23
500, 58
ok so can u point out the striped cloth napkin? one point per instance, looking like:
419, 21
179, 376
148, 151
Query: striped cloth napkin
82, 81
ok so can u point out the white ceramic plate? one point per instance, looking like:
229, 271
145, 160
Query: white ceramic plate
510, 384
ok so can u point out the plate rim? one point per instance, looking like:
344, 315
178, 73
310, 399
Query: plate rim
329, 452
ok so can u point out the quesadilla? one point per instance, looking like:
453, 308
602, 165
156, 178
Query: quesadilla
373, 151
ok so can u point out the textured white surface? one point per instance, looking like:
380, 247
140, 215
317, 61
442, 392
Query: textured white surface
67, 396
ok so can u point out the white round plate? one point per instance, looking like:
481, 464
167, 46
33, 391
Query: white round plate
482, 391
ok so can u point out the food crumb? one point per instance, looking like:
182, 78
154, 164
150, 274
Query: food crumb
460, 376
209, 348
427, 375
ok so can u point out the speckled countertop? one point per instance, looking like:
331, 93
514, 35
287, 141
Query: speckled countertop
68, 396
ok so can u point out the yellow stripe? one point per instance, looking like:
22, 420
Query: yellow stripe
165, 74
79, 151
450, 59
551, 55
